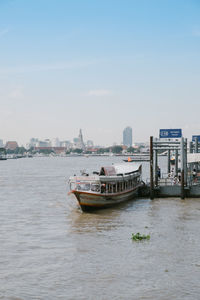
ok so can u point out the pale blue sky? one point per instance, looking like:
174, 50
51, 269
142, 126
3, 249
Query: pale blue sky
100, 66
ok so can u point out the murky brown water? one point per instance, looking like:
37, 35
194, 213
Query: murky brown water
50, 250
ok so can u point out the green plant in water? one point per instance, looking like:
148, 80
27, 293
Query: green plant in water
139, 237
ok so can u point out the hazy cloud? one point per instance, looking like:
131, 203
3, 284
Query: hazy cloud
99, 93
47, 67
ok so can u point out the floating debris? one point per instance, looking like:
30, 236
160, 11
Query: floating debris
139, 237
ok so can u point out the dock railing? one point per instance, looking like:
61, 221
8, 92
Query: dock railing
167, 180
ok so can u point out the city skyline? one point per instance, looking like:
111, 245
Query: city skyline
86, 140
77, 141
98, 65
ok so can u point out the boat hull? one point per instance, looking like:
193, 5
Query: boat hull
91, 201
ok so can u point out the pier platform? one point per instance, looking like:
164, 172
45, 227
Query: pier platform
176, 191
165, 191
182, 174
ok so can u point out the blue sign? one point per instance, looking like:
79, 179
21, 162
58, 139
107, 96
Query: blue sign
170, 133
194, 138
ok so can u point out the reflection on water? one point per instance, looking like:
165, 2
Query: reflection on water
51, 250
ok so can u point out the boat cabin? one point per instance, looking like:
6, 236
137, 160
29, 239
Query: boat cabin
113, 179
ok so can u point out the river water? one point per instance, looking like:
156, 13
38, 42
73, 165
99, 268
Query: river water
50, 250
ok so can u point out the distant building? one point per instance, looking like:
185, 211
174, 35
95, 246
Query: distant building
57, 150
66, 144
78, 142
55, 143
89, 144
82, 145
48, 142
1, 143
127, 137
32, 143
11, 145
43, 144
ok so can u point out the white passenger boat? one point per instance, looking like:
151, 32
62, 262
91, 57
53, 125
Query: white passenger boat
112, 185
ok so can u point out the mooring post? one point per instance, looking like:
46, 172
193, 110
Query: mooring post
168, 161
182, 169
176, 162
151, 169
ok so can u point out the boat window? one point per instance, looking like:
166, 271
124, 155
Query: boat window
109, 188
83, 186
72, 186
95, 187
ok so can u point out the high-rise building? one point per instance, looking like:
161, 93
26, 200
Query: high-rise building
127, 137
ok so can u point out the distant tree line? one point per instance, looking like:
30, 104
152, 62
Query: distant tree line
114, 149
18, 150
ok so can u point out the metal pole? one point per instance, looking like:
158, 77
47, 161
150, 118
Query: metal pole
176, 162
196, 145
191, 147
182, 169
156, 167
185, 162
196, 150
168, 161
151, 169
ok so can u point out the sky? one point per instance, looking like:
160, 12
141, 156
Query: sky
98, 65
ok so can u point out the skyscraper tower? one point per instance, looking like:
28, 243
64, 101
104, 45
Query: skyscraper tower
127, 137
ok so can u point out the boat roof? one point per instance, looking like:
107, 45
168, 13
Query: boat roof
117, 169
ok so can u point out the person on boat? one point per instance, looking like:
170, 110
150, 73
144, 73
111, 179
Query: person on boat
179, 175
158, 172
176, 180
194, 175
129, 159
103, 188
171, 176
